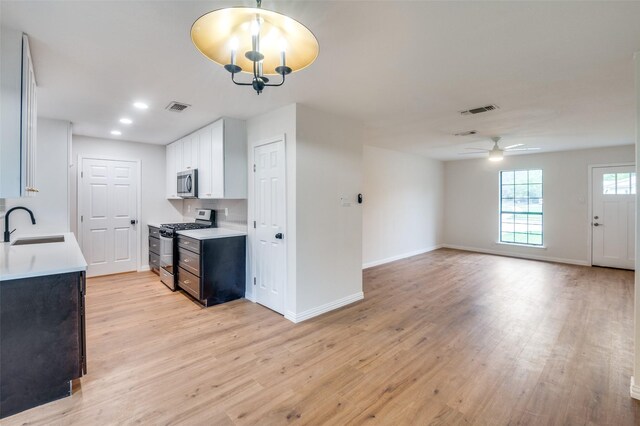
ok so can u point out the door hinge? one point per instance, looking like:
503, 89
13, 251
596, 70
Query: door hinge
254, 168
254, 224
254, 280
81, 174
81, 218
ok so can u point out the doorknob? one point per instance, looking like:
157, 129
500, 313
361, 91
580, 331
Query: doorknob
133, 221
597, 224
279, 236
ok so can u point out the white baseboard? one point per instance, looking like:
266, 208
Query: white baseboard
518, 255
144, 268
319, 310
400, 256
249, 296
634, 389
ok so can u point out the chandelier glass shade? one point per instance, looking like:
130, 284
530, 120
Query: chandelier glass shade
254, 41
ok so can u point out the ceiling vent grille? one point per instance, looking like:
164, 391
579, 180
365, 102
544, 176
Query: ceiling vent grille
177, 106
479, 110
467, 133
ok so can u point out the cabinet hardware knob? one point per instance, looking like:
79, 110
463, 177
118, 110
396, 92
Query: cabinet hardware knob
186, 260
187, 281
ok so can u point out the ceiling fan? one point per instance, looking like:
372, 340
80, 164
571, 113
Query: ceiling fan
496, 153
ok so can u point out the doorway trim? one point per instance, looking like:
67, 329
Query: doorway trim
590, 200
80, 167
251, 234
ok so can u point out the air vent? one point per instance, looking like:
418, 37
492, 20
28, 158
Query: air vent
479, 110
468, 133
177, 106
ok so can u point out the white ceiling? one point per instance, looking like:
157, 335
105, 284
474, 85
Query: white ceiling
561, 72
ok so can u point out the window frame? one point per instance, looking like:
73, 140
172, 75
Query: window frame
501, 212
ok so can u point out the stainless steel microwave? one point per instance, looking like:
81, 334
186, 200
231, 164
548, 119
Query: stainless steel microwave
188, 184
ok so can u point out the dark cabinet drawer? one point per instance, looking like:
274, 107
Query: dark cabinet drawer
154, 232
154, 245
154, 262
189, 244
189, 283
189, 261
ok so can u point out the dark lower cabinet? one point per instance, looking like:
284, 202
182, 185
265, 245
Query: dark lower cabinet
42, 339
154, 249
212, 271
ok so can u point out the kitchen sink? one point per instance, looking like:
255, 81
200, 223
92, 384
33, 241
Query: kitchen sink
39, 240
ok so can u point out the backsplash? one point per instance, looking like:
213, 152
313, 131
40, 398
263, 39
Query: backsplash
237, 211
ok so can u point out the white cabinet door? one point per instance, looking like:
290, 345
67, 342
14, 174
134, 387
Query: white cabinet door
195, 149
171, 170
187, 148
179, 153
204, 169
217, 159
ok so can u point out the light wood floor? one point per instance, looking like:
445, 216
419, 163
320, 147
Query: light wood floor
448, 337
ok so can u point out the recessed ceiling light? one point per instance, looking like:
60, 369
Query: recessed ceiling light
126, 121
116, 132
140, 105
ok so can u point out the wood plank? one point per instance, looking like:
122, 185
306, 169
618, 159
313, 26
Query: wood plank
447, 337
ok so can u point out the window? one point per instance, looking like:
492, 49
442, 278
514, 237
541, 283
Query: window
618, 183
521, 207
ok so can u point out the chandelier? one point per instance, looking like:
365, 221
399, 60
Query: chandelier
271, 44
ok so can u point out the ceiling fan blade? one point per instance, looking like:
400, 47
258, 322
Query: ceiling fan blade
524, 149
479, 149
513, 146
471, 153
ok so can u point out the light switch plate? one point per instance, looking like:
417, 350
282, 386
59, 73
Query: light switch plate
345, 201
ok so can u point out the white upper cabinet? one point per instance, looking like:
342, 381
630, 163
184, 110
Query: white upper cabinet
219, 152
18, 115
171, 184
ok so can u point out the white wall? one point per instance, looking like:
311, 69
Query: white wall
50, 206
403, 205
155, 207
329, 234
324, 239
471, 202
262, 128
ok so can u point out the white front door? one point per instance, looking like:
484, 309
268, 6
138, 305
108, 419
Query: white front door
270, 235
107, 204
613, 221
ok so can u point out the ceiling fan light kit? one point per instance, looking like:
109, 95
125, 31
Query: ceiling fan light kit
273, 44
496, 153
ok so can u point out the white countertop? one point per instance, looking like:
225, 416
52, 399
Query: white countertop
209, 233
37, 260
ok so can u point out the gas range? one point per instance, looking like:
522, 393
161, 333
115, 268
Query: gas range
170, 229
205, 218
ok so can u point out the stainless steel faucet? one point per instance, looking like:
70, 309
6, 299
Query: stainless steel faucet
7, 233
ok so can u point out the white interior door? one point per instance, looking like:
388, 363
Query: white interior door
270, 235
613, 221
107, 204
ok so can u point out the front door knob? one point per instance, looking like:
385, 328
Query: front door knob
279, 236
